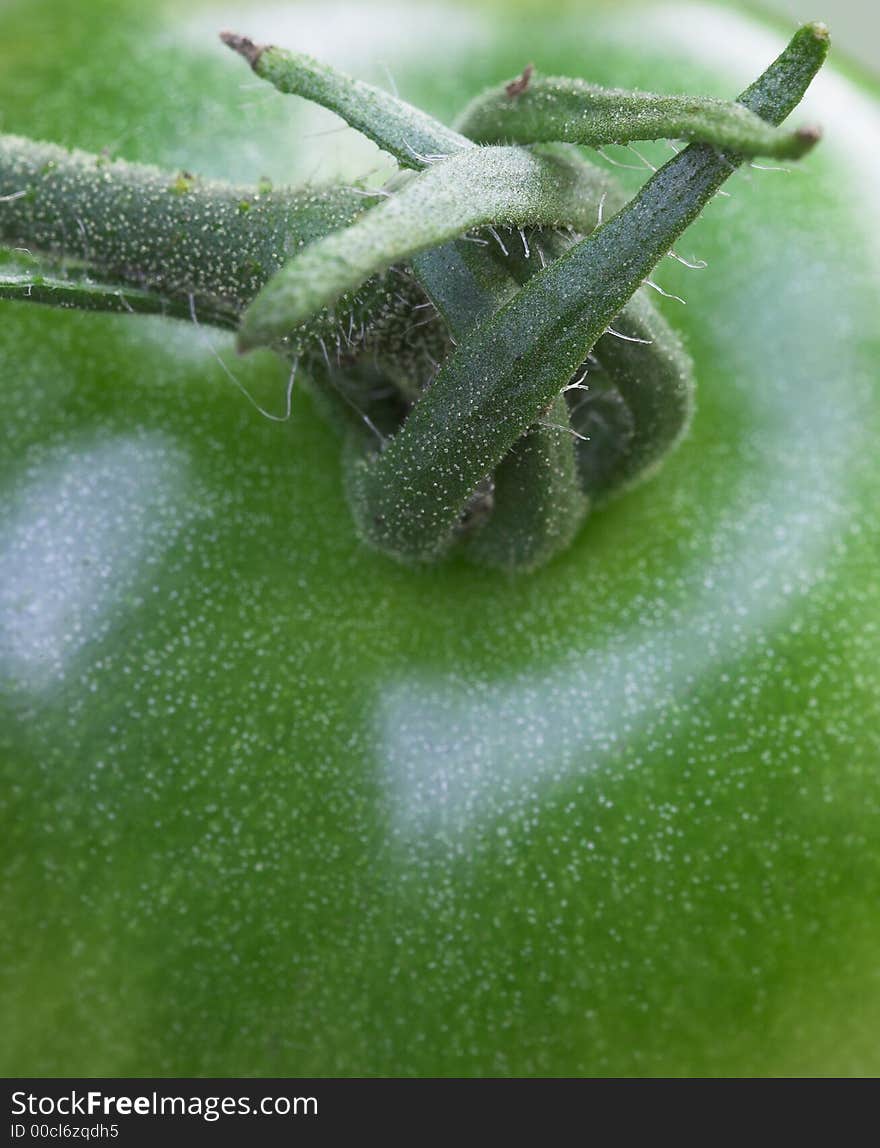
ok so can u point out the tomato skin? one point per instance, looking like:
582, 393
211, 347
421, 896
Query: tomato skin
277, 806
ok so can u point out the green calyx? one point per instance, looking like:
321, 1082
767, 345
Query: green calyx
553, 108
495, 186
478, 328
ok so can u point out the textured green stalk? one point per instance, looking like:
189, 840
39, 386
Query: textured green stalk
537, 502
500, 380
129, 237
472, 189
554, 108
638, 403
634, 396
630, 409
535, 505
407, 133
83, 295
173, 236
464, 283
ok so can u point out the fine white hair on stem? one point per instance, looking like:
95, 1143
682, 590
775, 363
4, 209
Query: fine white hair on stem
616, 162
578, 384
695, 265
81, 228
565, 430
498, 239
421, 323
368, 422
627, 338
390, 80
327, 132
428, 159
369, 193
644, 159
665, 294
237, 382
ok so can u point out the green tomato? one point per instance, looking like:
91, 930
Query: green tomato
277, 806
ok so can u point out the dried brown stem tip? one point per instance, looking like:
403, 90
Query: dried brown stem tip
811, 134
243, 46
517, 87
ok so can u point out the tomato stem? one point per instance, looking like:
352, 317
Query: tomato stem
329, 277
571, 110
407, 133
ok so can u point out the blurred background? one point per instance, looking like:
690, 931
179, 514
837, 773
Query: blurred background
855, 24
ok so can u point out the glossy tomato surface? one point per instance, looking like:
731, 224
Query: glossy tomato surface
274, 805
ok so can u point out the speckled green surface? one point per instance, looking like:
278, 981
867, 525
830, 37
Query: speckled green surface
274, 805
